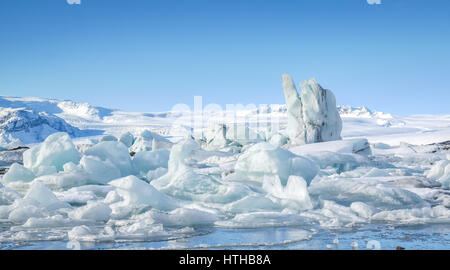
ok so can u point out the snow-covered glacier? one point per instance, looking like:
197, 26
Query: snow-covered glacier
146, 181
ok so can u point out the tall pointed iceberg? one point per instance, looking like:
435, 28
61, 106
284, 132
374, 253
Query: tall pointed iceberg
313, 117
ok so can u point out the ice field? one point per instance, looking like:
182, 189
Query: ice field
113, 179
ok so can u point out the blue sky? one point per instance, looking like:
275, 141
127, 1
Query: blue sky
148, 55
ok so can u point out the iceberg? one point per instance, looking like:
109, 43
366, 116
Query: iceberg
264, 159
56, 151
108, 138
18, 173
295, 190
99, 171
138, 195
145, 161
441, 173
369, 191
182, 182
96, 211
148, 141
127, 139
313, 117
116, 153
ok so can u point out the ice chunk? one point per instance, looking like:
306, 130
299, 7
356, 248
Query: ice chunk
296, 190
265, 219
441, 172
278, 139
296, 126
182, 182
370, 191
116, 152
183, 217
8, 196
437, 214
18, 173
322, 120
150, 160
313, 117
362, 209
64, 180
48, 222
155, 174
39, 195
96, 211
137, 194
127, 139
147, 139
216, 137
332, 214
108, 138
352, 146
264, 159
56, 150
252, 203
339, 162
46, 170
242, 134
90, 234
99, 171
375, 172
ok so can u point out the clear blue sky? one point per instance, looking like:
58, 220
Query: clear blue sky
147, 55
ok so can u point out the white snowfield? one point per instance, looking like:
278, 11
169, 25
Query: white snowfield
148, 179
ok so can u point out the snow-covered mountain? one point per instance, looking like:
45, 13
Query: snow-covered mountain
20, 125
63, 108
30, 120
